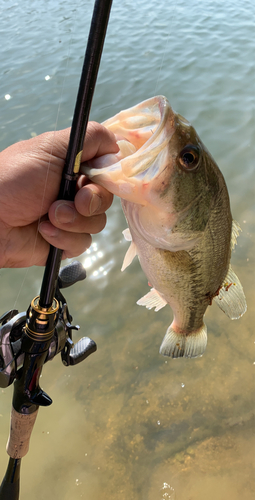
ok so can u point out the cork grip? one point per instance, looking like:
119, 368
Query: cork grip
20, 432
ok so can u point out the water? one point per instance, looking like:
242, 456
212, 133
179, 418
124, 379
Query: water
127, 423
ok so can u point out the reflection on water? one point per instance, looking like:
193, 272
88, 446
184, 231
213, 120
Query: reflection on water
92, 259
127, 423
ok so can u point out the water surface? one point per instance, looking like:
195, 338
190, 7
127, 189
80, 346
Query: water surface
127, 423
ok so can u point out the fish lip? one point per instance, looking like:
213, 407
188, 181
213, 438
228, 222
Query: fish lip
130, 170
145, 156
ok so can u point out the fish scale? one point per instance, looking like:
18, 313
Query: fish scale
177, 207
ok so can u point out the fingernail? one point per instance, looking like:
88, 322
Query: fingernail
95, 204
48, 229
64, 213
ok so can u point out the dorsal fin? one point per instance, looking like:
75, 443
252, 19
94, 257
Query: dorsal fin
231, 298
235, 233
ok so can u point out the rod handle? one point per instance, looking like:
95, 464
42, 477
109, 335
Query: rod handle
20, 432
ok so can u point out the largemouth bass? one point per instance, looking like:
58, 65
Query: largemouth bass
177, 207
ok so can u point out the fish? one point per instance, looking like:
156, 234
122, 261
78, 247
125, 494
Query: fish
180, 226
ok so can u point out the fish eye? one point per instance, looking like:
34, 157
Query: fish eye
189, 158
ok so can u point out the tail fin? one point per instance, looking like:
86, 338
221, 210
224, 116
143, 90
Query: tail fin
178, 345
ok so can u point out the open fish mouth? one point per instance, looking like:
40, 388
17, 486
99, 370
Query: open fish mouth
145, 131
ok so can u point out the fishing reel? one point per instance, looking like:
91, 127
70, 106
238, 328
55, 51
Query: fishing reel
13, 327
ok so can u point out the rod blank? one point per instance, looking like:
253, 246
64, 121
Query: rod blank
87, 85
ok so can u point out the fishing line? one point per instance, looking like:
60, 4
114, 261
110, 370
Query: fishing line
162, 62
53, 142
48, 168
164, 54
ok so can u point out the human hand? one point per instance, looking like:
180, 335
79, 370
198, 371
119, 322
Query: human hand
30, 218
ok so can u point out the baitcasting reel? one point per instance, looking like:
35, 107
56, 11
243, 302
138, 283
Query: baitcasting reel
12, 325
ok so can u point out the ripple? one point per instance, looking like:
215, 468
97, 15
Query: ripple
201, 56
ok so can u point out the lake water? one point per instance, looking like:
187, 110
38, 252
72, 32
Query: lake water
129, 424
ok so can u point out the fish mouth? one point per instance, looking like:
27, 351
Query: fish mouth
145, 131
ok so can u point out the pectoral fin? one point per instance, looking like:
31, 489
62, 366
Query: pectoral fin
231, 298
127, 235
152, 299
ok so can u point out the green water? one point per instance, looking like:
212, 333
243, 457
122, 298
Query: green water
127, 423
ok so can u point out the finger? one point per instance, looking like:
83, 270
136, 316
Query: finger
92, 199
73, 244
63, 215
98, 141
24, 248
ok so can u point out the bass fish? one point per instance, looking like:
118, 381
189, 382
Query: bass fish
177, 207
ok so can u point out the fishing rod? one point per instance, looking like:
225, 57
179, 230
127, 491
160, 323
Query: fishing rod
29, 339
